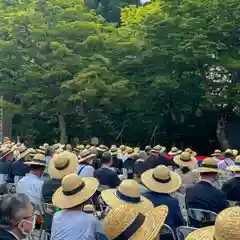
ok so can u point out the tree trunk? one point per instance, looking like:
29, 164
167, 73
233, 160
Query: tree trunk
62, 127
221, 132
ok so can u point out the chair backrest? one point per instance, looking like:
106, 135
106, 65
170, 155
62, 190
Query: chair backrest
200, 218
183, 231
3, 178
166, 233
17, 178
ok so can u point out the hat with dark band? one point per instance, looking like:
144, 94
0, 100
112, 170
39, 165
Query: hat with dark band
38, 159
185, 159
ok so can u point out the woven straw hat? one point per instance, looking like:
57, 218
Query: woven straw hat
127, 193
227, 227
85, 155
6, 151
236, 167
114, 150
209, 165
190, 151
38, 159
161, 180
158, 149
124, 222
130, 152
62, 165
32, 152
44, 146
235, 152
74, 191
89, 209
174, 151
23, 151
102, 148
185, 159
217, 152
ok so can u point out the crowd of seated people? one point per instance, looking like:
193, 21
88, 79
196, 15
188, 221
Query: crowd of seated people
117, 193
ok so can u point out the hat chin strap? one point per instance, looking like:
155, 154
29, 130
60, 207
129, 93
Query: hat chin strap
132, 228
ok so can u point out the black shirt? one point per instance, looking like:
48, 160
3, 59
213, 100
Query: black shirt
49, 188
117, 163
107, 177
232, 189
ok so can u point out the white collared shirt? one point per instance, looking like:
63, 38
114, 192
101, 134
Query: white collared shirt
31, 185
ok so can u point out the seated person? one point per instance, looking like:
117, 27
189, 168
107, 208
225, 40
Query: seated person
204, 195
161, 182
232, 187
106, 175
31, 184
72, 223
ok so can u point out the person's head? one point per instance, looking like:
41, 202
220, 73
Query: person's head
106, 158
229, 154
37, 170
16, 215
69, 148
210, 176
49, 151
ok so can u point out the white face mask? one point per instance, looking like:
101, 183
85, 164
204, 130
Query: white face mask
33, 222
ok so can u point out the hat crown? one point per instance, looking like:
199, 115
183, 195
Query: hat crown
174, 149
39, 156
113, 148
130, 150
161, 172
71, 182
185, 155
217, 151
228, 224
61, 160
129, 188
209, 161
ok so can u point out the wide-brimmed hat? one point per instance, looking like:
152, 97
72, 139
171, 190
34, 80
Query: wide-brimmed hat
127, 193
102, 148
148, 148
74, 191
190, 151
158, 149
217, 152
114, 150
161, 179
185, 159
85, 155
130, 152
62, 165
227, 227
89, 209
124, 222
209, 165
38, 159
174, 151
23, 152
44, 146
5, 151
235, 152
236, 167
32, 152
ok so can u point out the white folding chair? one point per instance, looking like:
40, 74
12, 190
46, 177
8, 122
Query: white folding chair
181, 199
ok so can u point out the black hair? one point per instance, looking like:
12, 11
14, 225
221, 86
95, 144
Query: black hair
106, 157
185, 169
36, 167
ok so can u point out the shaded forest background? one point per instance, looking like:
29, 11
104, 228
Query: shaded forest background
79, 69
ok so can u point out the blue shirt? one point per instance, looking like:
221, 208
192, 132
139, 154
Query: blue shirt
85, 170
174, 218
76, 225
31, 185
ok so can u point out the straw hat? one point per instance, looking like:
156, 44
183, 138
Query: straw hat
185, 159
32, 152
44, 146
62, 165
74, 191
102, 148
217, 152
130, 152
227, 227
127, 223
23, 151
236, 167
38, 159
88, 146
190, 151
148, 148
158, 149
174, 151
114, 150
235, 152
161, 180
40, 151
127, 193
89, 209
6, 151
85, 155
209, 165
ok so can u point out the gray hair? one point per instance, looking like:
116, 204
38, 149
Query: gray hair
13, 208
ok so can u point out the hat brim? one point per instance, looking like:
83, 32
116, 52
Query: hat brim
64, 202
40, 151
172, 186
115, 153
206, 233
7, 153
216, 154
86, 158
36, 163
24, 154
192, 163
149, 230
175, 153
101, 149
59, 174
109, 196
233, 168
209, 170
